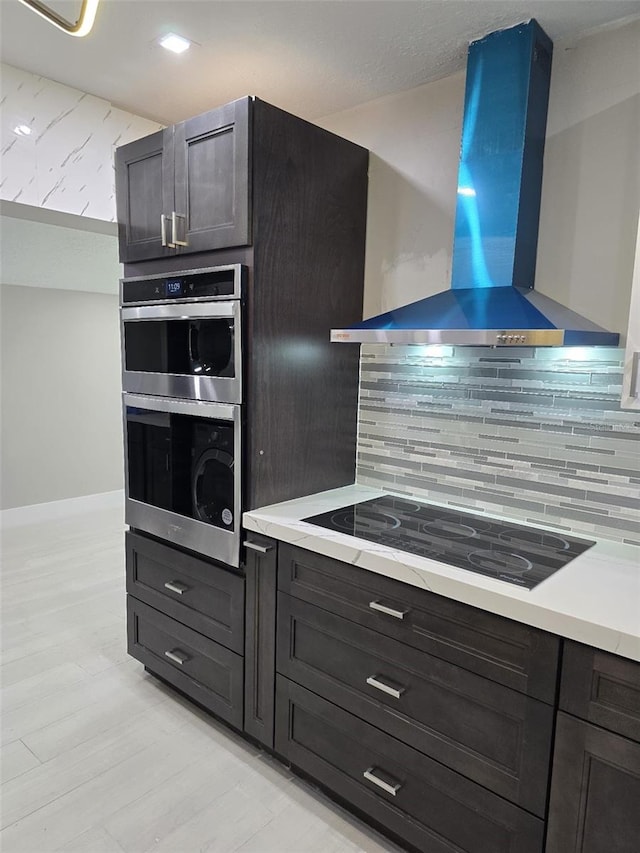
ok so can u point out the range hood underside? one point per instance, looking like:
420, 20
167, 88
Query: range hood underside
501, 316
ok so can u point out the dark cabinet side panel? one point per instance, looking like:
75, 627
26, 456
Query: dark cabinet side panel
595, 791
430, 806
602, 688
260, 640
309, 221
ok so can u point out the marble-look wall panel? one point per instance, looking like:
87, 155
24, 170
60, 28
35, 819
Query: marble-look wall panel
535, 434
630, 381
66, 162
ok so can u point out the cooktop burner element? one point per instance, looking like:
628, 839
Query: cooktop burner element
520, 555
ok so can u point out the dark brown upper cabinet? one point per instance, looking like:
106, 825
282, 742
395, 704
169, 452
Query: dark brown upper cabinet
144, 191
186, 188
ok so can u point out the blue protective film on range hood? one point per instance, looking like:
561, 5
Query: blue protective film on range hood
485, 316
492, 300
500, 167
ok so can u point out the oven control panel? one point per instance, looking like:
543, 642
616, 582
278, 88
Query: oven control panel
217, 282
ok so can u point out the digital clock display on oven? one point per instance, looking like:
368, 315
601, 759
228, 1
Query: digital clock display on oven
174, 286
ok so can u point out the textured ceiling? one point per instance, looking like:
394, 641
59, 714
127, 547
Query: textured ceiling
311, 57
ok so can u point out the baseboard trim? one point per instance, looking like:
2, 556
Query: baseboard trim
52, 510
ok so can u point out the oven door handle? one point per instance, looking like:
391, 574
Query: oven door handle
194, 335
216, 411
183, 311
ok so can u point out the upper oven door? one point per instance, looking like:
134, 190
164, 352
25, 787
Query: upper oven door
187, 350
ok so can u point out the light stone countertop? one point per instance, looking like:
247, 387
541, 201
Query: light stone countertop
594, 599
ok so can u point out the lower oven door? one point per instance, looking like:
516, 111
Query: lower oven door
183, 473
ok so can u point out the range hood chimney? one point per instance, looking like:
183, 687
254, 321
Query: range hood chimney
492, 300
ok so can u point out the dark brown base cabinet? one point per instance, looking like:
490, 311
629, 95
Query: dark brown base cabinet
420, 712
185, 623
435, 720
203, 670
490, 734
595, 799
429, 718
416, 798
595, 792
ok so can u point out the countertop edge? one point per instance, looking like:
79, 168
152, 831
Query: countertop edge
528, 607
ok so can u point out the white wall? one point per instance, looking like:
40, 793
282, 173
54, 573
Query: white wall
591, 185
60, 375
66, 163
61, 422
61, 414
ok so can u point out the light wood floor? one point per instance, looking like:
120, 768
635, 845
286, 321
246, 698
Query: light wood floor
99, 757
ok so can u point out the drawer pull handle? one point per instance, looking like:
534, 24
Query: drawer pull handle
374, 681
261, 549
176, 586
176, 657
382, 608
370, 776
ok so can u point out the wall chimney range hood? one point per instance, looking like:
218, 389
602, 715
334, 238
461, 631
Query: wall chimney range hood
492, 300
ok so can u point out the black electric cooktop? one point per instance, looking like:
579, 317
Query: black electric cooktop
520, 555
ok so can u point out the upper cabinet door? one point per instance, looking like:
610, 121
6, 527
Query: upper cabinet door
212, 179
144, 196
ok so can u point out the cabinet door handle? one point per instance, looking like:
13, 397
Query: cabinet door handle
370, 776
176, 657
163, 232
374, 681
254, 546
382, 608
176, 586
174, 229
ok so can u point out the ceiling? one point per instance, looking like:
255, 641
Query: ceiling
311, 57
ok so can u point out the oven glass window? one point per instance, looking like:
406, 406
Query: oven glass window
183, 464
197, 347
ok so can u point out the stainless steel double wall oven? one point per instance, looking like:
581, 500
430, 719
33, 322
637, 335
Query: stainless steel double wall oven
182, 378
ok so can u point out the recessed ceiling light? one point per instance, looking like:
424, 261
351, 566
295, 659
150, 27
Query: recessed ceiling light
175, 43
22, 130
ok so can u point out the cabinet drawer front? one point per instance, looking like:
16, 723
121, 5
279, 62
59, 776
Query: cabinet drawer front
416, 798
595, 791
601, 688
204, 670
205, 597
490, 734
516, 655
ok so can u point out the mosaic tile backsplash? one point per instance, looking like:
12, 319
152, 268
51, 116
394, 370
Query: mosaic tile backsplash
534, 434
